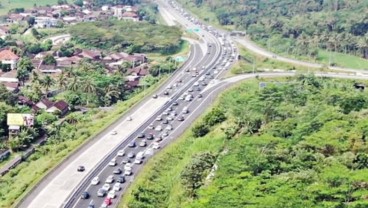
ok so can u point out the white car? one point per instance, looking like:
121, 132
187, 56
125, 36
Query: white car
110, 179
169, 127
114, 133
112, 162
151, 126
128, 172
129, 118
158, 128
116, 187
111, 194
121, 153
128, 166
143, 143
95, 181
137, 161
106, 187
156, 145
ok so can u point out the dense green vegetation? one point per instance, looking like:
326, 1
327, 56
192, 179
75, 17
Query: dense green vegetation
298, 28
298, 142
128, 36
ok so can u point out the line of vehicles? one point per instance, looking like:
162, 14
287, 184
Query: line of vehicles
110, 182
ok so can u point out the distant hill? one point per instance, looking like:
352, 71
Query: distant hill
298, 26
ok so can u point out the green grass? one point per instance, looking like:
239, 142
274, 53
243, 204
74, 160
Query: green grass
183, 51
343, 60
19, 181
6, 5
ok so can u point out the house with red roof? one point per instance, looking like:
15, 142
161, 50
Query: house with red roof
8, 57
130, 16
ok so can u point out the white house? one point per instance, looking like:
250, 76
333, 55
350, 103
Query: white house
45, 22
8, 57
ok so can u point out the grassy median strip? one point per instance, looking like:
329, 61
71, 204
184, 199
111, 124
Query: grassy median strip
19, 181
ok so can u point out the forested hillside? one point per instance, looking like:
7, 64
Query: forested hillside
297, 26
294, 143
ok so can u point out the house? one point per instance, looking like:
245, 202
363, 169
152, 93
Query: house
11, 86
45, 22
22, 100
64, 62
90, 54
59, 106
135, 59
44, 104
118, 11
4, 31
15, 18
130, 16
138, 71
8, 57
105, 8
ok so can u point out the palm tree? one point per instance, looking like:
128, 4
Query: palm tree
74, 85
35, 77
88, 87
111, 92
62, 81
69, 72
47, 82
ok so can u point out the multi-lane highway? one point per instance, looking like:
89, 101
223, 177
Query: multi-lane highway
64, 185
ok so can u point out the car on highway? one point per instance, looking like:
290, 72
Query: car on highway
120, 179
131, 144
154, 96
165, 134
85, 195
101, 192
156, 145
91, 204
166, 112
158, 128
200, 96
114, 133
138, 161
169, 128
166, 92
131, 155
106, 187
117, 186
81, 168
111, 194
180, 118
121, 153
185, 110
165, 121
188, 98
141, 135
110, 179
128, 171
175, 103
107, 201
117, 171
125, 161
173, 114
112, 162
143, 143
159, 118
190, 90
196, 84
151, 126
95, 181
150, 136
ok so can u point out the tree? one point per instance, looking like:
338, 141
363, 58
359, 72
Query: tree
6, 96
22, 75
200, 130
36, 34
30, 21
62, 81
47, 82
88, 87
78, 3
49, 60
26, 64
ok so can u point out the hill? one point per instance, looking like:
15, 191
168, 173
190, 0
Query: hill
299, 28
294, 143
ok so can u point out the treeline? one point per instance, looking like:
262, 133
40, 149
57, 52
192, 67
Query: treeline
298, 27
294, 143
128, 36
115, 2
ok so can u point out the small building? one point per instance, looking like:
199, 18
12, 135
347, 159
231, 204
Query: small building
45, 22
4, 31
130, 16
44, 104
60, 106
90, 54
8, 57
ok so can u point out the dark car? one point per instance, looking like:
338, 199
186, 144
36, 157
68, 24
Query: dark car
150, 136
131, 144
165, 121
117, 171
85, 195
120, 179
81, 168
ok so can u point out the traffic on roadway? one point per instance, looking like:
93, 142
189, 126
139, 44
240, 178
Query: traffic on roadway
104, 186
